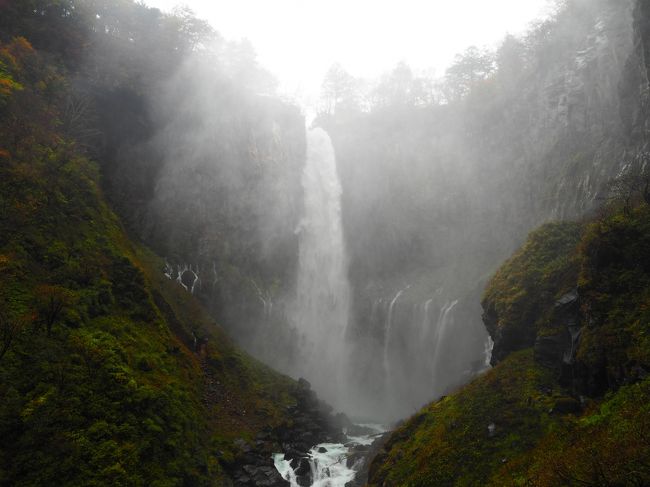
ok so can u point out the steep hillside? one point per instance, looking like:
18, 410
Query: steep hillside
567, 401
199, 157
111, 373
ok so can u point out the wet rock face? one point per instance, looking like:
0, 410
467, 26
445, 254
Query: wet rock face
363, 457
635, 85
558, 349
550, 349
260, 476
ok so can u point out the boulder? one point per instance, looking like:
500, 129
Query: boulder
269, 477
549, 350
303, 467
567, 405
304, 384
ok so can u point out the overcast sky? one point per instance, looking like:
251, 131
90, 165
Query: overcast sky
298, 40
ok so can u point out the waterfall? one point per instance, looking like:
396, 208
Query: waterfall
489, 345
328, 462
321, 310
444, 322
389, 324
425, 319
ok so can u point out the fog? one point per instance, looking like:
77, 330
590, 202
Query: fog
293, 38
349, 241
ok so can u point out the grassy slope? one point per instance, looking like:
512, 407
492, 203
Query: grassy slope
116, 393
534, 443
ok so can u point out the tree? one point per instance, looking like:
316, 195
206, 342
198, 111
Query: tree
338, 90
400, 87
9, 330
51, 300
510, 61
467, 71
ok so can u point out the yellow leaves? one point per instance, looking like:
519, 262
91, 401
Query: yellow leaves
8, 85
16, 52
12, 58
33, 405
5, 260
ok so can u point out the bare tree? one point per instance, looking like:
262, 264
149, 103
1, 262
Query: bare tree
338, 89
9, 330
51, 301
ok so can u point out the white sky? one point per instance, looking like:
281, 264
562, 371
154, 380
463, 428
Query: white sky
298, 40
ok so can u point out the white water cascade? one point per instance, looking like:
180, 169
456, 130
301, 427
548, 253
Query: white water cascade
328, 461
444, 322
389, 325
321, 310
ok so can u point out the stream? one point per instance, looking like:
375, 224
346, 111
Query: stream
328, 462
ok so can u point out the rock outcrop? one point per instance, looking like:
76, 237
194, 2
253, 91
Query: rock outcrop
311, 423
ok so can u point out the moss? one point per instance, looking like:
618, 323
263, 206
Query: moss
614, 283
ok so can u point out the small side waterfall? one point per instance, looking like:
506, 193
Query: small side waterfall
389, 325
321, 310
489, 345
423, 343
444, 323
426, 318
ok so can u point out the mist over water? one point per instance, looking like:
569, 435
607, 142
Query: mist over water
355, 254
421, 348
166, 213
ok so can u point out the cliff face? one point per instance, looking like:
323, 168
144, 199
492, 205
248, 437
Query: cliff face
213, 184
567, 312
569, 317
635, 88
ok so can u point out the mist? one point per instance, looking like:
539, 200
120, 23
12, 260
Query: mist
436, 178
240, 244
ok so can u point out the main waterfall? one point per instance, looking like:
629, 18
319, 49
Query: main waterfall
321, 311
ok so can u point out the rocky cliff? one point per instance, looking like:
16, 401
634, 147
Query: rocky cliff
566, 401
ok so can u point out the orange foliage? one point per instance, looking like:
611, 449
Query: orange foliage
14, 54
21, 47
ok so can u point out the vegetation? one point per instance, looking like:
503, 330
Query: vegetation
518, 298
112, 374
101, 378
527, 422
483, 426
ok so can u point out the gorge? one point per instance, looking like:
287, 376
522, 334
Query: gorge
429, 280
